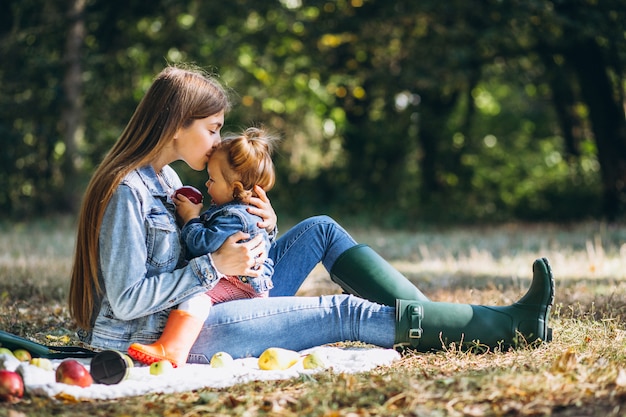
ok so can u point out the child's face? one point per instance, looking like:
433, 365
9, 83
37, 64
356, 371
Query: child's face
220, 191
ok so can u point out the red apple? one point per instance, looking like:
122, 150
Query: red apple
72, 372
11, 386
192, 193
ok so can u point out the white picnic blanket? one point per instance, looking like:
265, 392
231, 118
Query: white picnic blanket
190, 377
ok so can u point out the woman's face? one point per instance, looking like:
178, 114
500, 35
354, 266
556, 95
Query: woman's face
194, 143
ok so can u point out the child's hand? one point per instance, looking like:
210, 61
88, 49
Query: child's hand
185, 209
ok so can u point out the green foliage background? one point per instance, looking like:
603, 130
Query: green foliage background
398, 113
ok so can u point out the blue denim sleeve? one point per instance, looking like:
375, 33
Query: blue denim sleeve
273, 235
263, 283
140, 257
201, 238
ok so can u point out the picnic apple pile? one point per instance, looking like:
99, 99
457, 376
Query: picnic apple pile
111, 367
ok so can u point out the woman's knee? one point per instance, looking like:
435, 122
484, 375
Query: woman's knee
322, 220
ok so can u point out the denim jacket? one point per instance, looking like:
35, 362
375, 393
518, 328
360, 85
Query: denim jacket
208, 232
143, 270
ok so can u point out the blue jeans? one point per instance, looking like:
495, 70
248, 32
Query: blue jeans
247, 327
295, 254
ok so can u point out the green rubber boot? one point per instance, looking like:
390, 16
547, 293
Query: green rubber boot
427, 326
362, 272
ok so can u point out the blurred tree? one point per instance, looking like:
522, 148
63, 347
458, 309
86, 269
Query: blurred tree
581, 45
595, 60
402, 111
31, 93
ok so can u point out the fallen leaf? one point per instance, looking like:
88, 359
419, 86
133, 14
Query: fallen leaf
566, 362
65, 339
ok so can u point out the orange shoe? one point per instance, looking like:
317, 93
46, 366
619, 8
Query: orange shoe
175, 342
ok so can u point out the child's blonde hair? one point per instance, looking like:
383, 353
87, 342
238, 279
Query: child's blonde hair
249, 161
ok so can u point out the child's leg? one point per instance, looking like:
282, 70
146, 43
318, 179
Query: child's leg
180, 333
230, 288
198, 306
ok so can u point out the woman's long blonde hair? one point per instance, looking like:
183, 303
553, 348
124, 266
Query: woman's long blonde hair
176, 98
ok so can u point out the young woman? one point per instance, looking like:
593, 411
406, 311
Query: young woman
130, 270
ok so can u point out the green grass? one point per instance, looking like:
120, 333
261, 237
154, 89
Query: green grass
582, 372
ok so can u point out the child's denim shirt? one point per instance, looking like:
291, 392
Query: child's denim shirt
208, 232
143, 270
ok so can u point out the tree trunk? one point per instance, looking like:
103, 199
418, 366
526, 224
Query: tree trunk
564, 101
607, 121
435, 109
72, 115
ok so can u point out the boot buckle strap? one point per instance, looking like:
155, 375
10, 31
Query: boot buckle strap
415, 321
415, 333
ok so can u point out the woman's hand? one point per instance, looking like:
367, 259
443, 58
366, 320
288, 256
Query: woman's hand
262, 207
235, 257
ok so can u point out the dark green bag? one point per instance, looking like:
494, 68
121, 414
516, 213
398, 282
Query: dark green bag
37, 350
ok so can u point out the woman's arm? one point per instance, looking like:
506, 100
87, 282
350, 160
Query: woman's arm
139, 252
137, 284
